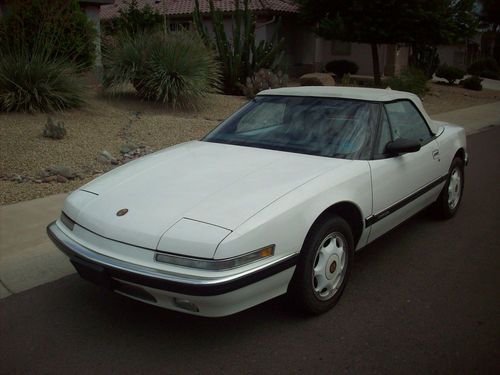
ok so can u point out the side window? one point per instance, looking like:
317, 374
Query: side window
385, 135
407, 122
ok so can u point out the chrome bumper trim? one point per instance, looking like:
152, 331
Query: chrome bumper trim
174, 282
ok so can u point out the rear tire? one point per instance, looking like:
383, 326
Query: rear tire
446, 206
324, 266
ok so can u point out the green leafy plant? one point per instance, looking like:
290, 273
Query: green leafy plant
425, 58
341, 67
241, 56
411, 80
487, 68
61, 24
133, 19
175, 68
449, 73
34, 80
473, 83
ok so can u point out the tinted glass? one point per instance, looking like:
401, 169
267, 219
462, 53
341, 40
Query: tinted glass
385, 135
407, 122
317, 126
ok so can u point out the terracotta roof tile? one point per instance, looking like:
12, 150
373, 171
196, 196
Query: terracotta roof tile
186, 7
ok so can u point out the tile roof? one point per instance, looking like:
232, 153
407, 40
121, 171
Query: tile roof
186, 7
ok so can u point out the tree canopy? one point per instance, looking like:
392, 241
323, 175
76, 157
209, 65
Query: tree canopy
391, 21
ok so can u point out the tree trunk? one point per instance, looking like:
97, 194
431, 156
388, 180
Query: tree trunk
376, 65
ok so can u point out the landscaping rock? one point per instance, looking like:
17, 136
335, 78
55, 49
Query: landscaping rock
105, 157
50, 179
61, 170
61, 179
317, 79
128, 147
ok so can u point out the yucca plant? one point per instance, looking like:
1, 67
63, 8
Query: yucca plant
175, 68
34, 80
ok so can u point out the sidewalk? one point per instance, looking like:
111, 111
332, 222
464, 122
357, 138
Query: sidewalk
27, 256
473, 119
29, 259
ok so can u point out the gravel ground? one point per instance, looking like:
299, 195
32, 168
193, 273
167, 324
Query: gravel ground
109, 122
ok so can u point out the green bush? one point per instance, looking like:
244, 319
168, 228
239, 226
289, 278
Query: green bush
449, 73
487, 68
473, 83
133, 19
425, 58
33, 80
411, 80
60, 23
341, 67
175, 68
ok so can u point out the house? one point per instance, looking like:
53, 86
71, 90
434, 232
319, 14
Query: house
306, 52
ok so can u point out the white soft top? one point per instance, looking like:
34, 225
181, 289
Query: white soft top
357, 93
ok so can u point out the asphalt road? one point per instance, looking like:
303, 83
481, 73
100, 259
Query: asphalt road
422, 299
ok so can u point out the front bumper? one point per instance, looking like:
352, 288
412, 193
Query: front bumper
161, 287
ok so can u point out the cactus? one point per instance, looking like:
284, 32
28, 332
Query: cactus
241, 57
54, 130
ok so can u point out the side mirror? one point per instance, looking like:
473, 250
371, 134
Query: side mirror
402, 146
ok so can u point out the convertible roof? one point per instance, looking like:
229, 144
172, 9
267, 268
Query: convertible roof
357, 93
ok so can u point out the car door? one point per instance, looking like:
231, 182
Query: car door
402, 184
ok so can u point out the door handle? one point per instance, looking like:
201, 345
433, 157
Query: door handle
435, 155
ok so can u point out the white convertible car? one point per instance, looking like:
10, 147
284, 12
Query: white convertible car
275, 200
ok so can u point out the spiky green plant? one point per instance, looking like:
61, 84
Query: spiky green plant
175, 68
34, 80
241, 56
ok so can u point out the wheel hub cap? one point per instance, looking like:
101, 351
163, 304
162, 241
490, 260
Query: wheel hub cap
329, 266
454, 188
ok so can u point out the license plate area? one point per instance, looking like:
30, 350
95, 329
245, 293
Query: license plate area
92, 272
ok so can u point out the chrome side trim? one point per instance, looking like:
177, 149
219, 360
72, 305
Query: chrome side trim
372, 219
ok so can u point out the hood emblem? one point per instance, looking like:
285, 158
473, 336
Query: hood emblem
122, 212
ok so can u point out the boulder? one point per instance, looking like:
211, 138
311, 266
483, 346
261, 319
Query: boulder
317, 79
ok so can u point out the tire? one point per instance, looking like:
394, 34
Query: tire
446, 206
324, 266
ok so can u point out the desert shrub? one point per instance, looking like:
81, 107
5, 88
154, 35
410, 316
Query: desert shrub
60, 23
487, 68
449, 73
473, 83
262, 80
341, 67
54, 130
133, 19
411, 80
175, 68
34, 80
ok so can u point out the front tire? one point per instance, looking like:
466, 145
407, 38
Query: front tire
449, 200
324, 266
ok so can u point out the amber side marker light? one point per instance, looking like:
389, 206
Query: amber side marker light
216, 264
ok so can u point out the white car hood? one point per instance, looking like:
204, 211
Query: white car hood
218, 184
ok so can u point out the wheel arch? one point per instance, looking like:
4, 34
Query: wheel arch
460, 153
348, 211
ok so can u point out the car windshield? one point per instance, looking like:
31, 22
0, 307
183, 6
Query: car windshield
330, 127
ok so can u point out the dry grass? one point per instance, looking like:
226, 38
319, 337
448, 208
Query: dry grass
101, 126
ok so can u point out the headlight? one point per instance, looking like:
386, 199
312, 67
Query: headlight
216, 264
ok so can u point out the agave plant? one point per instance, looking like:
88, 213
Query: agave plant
34, 80
175, 68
